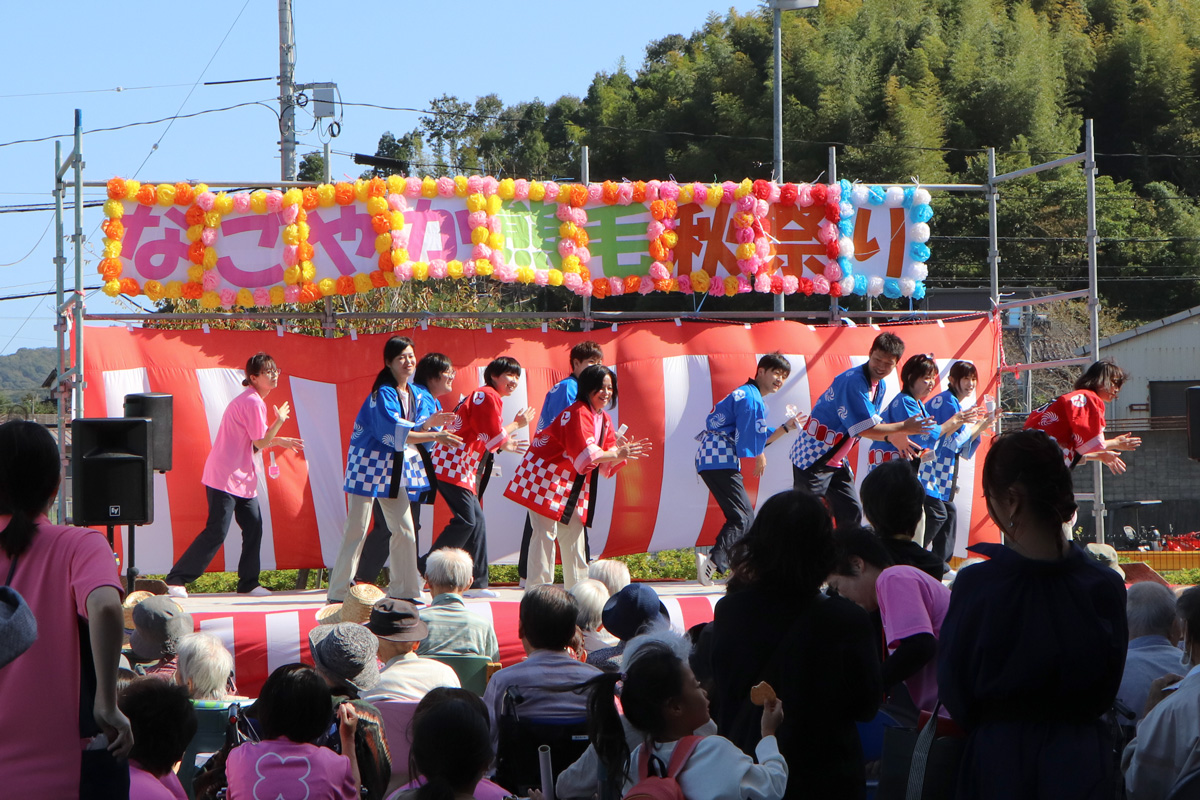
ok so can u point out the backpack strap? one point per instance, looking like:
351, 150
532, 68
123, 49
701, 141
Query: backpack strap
683, 751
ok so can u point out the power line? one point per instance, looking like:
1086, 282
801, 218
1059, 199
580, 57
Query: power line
35, 245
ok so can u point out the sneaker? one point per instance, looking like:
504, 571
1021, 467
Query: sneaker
521, 583
258, 591
705, 570
177, 591
473, 593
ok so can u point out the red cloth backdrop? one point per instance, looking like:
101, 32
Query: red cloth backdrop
669, 377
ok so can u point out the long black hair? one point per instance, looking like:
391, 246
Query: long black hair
394, 347
29, 476
451, 743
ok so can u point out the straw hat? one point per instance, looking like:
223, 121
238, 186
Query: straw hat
330, 614
359, 601
130, 601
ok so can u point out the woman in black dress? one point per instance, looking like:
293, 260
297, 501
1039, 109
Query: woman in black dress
1033, 646
818, 652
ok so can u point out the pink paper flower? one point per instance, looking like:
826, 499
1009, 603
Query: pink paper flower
820, 284
729, 192
521, 189
211, 281
804, 197
762, 248
652, 188
404, 271
585, 288
228, 297
274, 203
412, 187
572, 281
437, 267
290, 214
469, 268
497, 260
495, 225
490, 185
481, 251
552, 190
616, 287
399, 239
476, 219
475, 184
205, 200
506, 273
790, 284
669, 191
396, 202
541, 277
654, 230
746, 203
208, 236
833, 272
700, 196
291, 255
291, 294
595, 192
625, 194
262, 296
445, 186
762, 283
566, 247
647, 285
563, 213
659, 271
241, 203
685, 283
744, 235
584, 255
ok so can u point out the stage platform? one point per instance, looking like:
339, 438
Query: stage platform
266, 632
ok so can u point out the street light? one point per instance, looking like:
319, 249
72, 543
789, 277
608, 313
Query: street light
779, 6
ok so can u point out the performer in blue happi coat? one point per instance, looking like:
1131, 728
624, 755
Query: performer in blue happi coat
918, 379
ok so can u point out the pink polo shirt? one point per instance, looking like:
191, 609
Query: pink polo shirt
231, 466
911, 602
276, 768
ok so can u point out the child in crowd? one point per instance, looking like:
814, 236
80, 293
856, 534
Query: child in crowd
163, 722
293, 710
451, 749
663, 700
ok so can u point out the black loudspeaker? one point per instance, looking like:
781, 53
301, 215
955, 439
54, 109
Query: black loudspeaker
112, 481
159, 408
1191, 396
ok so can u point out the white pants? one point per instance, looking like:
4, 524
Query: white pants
541, 550
406, 581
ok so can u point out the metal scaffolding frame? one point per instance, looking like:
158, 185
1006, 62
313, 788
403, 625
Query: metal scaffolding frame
71, 314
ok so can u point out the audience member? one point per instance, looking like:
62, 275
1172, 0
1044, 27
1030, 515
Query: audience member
612, 573
293, 710
205, 668
1154, 633
158, 625
894, 503
67, 577
405, 675
451, 750
591, 595
631, 611
1167, 737
454, 630
163, 723
819, 653
1033, 645
546, 625
911, 605
662, 699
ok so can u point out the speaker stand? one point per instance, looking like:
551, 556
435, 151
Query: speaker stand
131, 572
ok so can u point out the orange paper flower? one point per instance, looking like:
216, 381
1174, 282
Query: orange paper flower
116, 188
639, 192
379, 277
343, 194
185, 195
377, 188
632, 283
381, 224
110, 268
600, 288
579, 194
345, 286
310, 198
194, 216
196, 252
130, 287
147, 195
608, 193
192, 291
113, 229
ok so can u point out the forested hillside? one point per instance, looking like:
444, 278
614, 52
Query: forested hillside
905, 89
24, 371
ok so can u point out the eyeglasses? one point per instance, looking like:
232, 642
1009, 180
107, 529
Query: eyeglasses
273, 372
449, 376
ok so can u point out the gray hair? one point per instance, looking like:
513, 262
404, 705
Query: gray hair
205, 662
590, 595
449, 566
662, 633
1150, 608
613, 574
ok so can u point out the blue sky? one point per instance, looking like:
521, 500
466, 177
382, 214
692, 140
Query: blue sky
70, 54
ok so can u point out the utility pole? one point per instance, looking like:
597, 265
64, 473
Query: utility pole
287, 93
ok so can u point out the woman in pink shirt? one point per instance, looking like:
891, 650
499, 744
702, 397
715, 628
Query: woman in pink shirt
69, 579
231, 480
294, 710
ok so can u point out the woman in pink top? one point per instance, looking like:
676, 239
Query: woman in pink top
294, 710
451, 749
231, 480
69, 579
911, 604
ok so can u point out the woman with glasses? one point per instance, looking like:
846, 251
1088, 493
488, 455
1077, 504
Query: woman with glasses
231, 480
381, 465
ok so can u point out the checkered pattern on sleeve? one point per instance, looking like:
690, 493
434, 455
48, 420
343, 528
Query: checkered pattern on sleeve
368, 472
544, 487
459, 465
937, 475
716, 452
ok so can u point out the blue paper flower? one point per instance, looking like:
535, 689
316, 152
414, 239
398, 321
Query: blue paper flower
876, 195
919, 291
922, 213
908, 196
860, 284
919, 251
847, 266
846, 227
891, 288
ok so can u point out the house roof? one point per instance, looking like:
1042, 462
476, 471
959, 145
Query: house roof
1142, 329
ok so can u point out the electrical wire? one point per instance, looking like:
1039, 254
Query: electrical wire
35, 245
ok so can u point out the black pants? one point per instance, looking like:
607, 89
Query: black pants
375, 547
466, 530
223, 508
730, 493
527, 537
837, 487
941, 524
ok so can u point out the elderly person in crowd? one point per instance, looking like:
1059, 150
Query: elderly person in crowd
1169, 735
158, 625
1154, 633
1033, 644
612, 573
205, 669
633, 610
591, 595
405, 675
454, 630
546, 625
819, 653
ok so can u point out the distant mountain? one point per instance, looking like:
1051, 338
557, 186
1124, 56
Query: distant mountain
25, 370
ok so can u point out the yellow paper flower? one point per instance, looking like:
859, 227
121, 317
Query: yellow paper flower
567, 230
460, 185
223, 204
494, 204
395, 184
715, 191
483, 267
428, 187
376, 205
212, 219
507, 189
291, 275
200, 188
131, 187
362, 190
245, 298
291, 234
745, 251
258, 201
686, 194
390, 277
362, 283
174, 289
744, 188
479, 235
277, 296
383, 243
399, 256
195, 273
327, 286
700, 281
308, 271
112, 249
113, 209
210, 257
476, 202
165, 194
454, 269
210, 300
153, 290
397, 220
525, 274
731, 285
325, 195
670, 239
495, 240
537, 191
420, 271
112, 288
303, 229
570, 264
292, 197
556, 277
